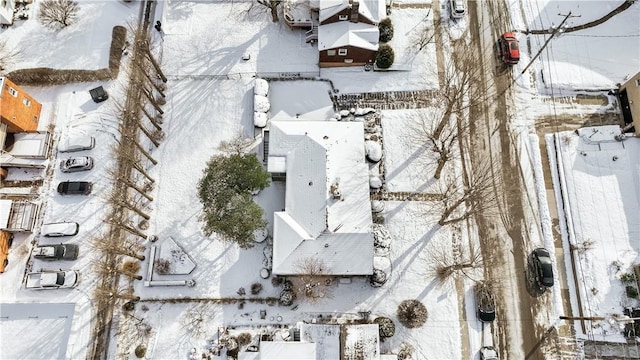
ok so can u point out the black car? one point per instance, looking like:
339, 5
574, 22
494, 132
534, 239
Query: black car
485, 302
57, 252
542, 267
75, 188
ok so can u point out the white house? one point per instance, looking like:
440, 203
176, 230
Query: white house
327, 213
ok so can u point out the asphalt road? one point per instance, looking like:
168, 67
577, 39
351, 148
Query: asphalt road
505, 231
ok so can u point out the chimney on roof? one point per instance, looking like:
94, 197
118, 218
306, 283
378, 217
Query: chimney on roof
355, 8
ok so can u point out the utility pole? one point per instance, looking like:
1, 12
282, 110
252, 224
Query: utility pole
555, 31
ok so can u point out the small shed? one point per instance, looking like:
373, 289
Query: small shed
17, 216
98, 94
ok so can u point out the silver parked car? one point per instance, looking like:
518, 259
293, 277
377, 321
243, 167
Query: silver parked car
81, 163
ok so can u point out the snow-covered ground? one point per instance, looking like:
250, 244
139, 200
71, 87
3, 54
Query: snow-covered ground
598, 179
209, 99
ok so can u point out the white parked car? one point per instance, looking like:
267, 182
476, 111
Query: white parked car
76, 142
458, 8
80, 163
59, 229
52, 279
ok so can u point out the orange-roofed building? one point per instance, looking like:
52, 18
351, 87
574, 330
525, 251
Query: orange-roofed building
18, 110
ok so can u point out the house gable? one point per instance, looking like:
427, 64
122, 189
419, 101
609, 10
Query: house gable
18, 110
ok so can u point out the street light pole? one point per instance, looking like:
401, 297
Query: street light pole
555, 31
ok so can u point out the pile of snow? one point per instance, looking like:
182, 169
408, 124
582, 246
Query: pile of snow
261, 104
373, 150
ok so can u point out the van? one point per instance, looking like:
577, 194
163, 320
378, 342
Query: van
59, 229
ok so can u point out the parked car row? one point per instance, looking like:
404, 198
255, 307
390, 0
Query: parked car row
75, 143
49, 279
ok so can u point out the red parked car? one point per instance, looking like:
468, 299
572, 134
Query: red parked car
509, 48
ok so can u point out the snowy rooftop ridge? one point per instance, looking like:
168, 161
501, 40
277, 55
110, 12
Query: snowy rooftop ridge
345, 33
373, 10
318, 221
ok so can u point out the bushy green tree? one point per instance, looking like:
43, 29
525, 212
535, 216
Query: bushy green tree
225, 193
384, 57
386, 30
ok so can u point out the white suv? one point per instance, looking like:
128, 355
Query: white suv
59, 229
458, 8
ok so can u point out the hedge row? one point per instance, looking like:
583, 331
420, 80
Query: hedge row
49, 76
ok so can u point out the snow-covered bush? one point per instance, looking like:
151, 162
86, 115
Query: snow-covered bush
286, 297
261, 87
378, 278
261, 103
386, 327
256, 288
377, 206
162, 266
260, 119
384, 57
373, 150
375, 183
412, 313
386, 30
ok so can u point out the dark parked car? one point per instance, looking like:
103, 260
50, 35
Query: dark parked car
80, 163
542, 267
57, 252
509, 48
75, 188
485, 302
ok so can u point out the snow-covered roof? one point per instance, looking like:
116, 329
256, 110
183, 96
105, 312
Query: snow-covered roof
361, 342
30, 145
321, 157
373, 10
287, 350
346, 33
327, 336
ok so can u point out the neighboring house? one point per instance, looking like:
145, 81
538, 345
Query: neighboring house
327, 213
324, 342
19, 112
21, 145
629, 95
7, 8
346, 30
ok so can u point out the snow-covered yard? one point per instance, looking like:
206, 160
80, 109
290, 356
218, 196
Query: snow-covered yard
209, 100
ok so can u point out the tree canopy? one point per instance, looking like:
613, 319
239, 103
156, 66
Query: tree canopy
225, 193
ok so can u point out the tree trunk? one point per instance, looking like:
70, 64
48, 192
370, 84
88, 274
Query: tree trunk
442, 160
134, 209
136, 188
274, 11
126, 296
129, 274
154, 63
151, 118
148, 134
448, 211
151, 100
152, 81
134, 232
139, 168
145, 153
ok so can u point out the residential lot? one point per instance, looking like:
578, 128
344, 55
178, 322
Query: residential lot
209, 99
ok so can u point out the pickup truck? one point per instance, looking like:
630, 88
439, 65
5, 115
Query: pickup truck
56, 252
52, 279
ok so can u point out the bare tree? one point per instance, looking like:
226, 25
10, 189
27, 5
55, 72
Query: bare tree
119, 246
58, 14
447, 262
312, 279
114, 294
196, 320
273, 6
438, 132
109, 268
238, 145
8, 55
461, 201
